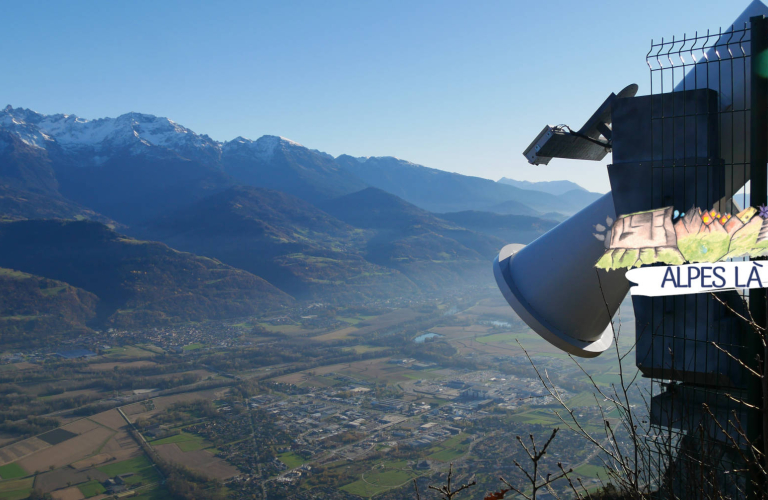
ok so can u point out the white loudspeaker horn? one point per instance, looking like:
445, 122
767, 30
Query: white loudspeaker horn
553, 285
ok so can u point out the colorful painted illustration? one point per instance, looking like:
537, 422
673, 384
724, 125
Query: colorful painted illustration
669, 237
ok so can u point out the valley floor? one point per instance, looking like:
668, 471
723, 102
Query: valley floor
318, 401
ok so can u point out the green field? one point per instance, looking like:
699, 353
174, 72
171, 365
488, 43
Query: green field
538, 416
350, 320
12, 471
535, 345
185, 442
583, 399
499, 338
362, 349
449, 449
143, 471
91, 489
157, 493
146, 475
130, 465
192, 347
287, 329
151, 348
128, 352
15, 494
291, 460
383, 477
589, 470
16, 489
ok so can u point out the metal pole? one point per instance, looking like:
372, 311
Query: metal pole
759, 196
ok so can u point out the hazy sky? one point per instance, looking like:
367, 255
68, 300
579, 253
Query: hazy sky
462, 86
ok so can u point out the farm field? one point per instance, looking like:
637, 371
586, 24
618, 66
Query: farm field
71, 493
128, 352
66, 476
139, 410
131, 465
91, 489
362, 349
539, 417
372, 370
369, 324
198, 460
71, 450
185, 441
340, 334
450, 449
99, 367
12, 471
291, 460
292, 330
67, 455
16, 489
590, 470
353, 400
21, 449
383, 476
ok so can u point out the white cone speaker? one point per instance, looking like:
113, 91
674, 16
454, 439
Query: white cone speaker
553, 285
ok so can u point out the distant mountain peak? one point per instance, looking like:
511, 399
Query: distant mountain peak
264, 147
552, 187
273, 141
366, 159
239, 140
133, 130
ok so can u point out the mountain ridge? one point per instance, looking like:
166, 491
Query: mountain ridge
440, 191
557, 188
287, 241
167, 166
137, 282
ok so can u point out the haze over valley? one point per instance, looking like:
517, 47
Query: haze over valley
187, 318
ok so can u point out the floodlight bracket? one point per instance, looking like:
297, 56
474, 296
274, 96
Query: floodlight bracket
585, 144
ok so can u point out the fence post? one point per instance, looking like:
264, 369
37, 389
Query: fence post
758, 197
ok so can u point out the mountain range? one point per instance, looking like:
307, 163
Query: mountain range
217, 229
552, 187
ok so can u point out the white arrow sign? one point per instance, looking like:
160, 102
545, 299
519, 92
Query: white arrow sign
659, 281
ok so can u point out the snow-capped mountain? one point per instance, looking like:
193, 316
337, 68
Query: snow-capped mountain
279, 163
136, 166
150, 163
133, 132
262, 148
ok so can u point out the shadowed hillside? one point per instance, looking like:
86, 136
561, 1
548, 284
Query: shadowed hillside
137, 282
508, 228
31, 305
278, 163
283, 239
441, 191
429, 250
28, 185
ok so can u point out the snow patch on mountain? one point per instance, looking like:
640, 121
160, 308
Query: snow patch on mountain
73, 133
364, 159
98, 140
29, 134
262, 148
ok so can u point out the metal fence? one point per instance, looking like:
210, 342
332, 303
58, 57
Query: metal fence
693, 347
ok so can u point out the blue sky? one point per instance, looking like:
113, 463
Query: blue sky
456, 85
